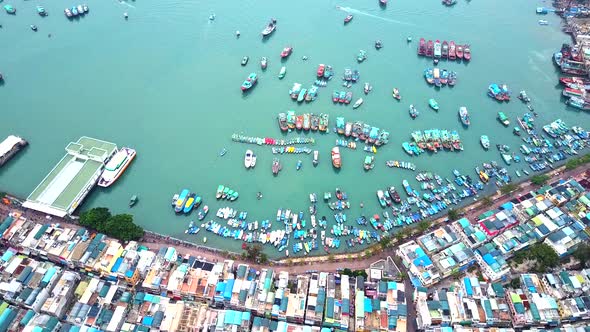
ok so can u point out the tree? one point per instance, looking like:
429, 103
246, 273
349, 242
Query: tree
515, 283
95, 218
423, 226
486, 201
508, 188
582, 254
541, 254
385, 242
453, 214
331, 257
540, 179
121, 226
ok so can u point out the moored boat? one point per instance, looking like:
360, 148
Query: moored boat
68, 12
369, 163
437, 51
270, 27
422, 47
294, 92
203, 212
433, 104
367, 88
321, 70
189, 204
459, 52
445, 49
348, 97
312, 93
282, 72
464, 116
503, 119
466, 53
336, 159
299, 122
248, 158
249, 82
263, 62
362, 56
452, 51
429, 49
485, 142
116, 166
301, 95
316, 155
179, 204
358, 103
41, 11
286, 51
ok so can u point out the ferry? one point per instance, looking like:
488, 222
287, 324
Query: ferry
181, 200
116, 166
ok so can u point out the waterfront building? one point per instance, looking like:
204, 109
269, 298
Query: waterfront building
314, 311
422, 270
296, 305
438, 239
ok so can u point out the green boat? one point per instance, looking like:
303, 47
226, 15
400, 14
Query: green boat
9, 9
133, 200
234, 196
503, 119
302, 94
225, 192
433, 104
282, 72
219, 191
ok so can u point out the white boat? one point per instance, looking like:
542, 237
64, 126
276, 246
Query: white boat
316, 155
253, 161
543, 22
116, 166
358, 103
248, 158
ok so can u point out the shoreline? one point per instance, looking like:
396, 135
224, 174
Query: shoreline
362, 258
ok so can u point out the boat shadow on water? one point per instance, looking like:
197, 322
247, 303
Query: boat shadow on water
266, 38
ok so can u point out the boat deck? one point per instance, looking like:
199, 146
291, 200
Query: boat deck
64, 188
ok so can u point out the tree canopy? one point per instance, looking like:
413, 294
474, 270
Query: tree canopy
453, 214
544, 257
582, 254
508, 188
120, 226
540, 179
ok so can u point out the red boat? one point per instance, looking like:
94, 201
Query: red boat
429, 49
348, 19
299, 122
286, 51
466, 53
445, 49
459, 51
422, 47
568, 81
452, 52
321, 70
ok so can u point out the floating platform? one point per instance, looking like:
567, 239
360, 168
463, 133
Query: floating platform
9, 147
68, 183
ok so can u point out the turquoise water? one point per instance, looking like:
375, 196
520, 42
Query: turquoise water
166, 82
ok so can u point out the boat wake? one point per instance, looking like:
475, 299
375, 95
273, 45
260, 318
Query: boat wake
126, 4
356, 11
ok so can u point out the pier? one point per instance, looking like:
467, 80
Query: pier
68, 183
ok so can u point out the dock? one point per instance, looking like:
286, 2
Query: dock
68, 183
9, 147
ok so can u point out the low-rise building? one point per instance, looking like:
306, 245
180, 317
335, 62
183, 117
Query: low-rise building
420, 266
492, 262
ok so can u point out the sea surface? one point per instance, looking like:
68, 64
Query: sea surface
167, 83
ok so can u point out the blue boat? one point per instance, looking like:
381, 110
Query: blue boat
74, 11
179, 205
299, 163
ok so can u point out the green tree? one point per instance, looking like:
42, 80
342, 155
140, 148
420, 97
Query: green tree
453, 214
540, 179
582, 254
385, 242
121, 226
2, 194
331, 257
541, 254
508, 188
95, 218
486, 201
423, 226
515, 283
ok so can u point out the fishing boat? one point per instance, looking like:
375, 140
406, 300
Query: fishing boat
444, 77
485, 142
381, 198
74, 11
429, 75
396, 94
348, 97
189, 204
80, 10
503, 119
452, 78
283, 122
85, 7
369, 163
253, 160
270, 27
321, 70
286, 51
306, 121
328, 72
203, 212
336, 160
355, 75
301, 95
429, 48
41, 11
294, 92
459, 52
248, 159
367, 88
299, 164
342, 97
422, 47
312, 93
219, 192
133, 200
316, 155
179, 204
263, 62
436, 77
299, 122
413, 112
9, 9
449, 3
383, 2
523, 97
362, 56
336, 96
437, 49
445, 49
249, 82
245, 60
116, 166
358, 103
516, 131
347, 19
276, 166
466, 53
452, 51
464, 116
378, 44
68, 12
433, 104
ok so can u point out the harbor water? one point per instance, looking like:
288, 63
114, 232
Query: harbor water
167, 83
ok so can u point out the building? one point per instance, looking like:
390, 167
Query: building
422, 270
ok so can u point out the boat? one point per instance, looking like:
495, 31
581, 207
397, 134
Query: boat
523, 97
312, 93
452, 51
321, 70
362, 56
347, 19
413, 112
422, 47
219, 192
270, 27
282, 72
459, 52
299, 164
328, 72
189, 204
41, 11
179, 204
203, 212
466, 53
294, 92
445, 49
409, 39
276, 166
348, 97
222, 152
342, 97
429, 49
316, 155
116, 166
503, 119
485, 142
9, 9
436, 77
378, 44
369, 163
383, 2
283, 122
437, 49
543, 22
444, 77
301, 95
249, 82
204, 239
253, 160
263, 62
355, 75
429, 75
248, 159
336, 160
133, 200
85, 7
245, 60
306, 121
452, 78
433, 104
464, 116
516, 131
286, 51
449, 3
80, 9
299, 122
381, 198
336, 96
33, 27
68, 12
367, 88
74, 11
396, 94
358, 103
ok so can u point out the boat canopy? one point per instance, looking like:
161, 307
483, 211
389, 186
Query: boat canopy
495, 89
118, 160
